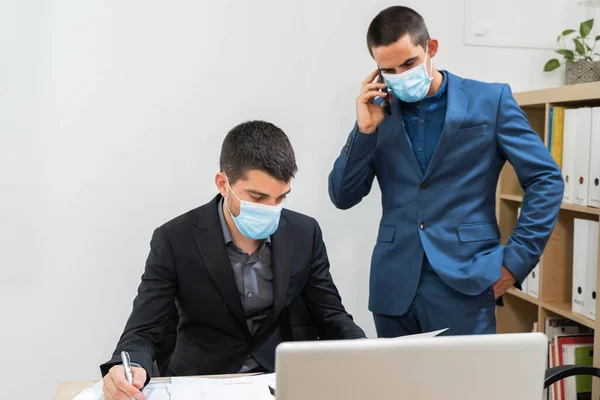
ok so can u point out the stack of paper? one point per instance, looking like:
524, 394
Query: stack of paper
242, 388
159, 390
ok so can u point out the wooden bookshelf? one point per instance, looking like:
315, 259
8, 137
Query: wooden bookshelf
559, 308
521, 310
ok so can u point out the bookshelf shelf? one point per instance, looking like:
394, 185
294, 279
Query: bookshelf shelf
584, 92
564, 310
564, 206
554, 295
523, 296
560, 308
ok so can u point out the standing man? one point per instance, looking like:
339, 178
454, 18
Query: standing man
438, 261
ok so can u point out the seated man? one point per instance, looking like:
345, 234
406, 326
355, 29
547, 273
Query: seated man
233, 267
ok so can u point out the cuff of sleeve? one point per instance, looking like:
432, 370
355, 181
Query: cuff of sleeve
361, 144
517, 265
366, 138
104, 368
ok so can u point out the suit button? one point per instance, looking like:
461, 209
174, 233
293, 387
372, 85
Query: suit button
424, 185
422, 226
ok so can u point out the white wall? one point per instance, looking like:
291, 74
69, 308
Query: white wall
111, 118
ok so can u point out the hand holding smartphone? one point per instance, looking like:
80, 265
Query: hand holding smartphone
370, 114
386, 101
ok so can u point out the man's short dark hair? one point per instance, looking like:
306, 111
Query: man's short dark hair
257, 145
393, 23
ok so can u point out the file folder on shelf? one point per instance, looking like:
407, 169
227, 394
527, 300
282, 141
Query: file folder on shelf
580, 264
594, 179
582, 155
568, 155
592, 269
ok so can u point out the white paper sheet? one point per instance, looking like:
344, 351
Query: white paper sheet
420, 335
266, 379
242, 388
153, 391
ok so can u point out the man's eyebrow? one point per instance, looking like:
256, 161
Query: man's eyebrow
412, 59
257, 193
408, 61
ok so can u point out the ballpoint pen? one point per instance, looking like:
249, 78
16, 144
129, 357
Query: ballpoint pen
127, 366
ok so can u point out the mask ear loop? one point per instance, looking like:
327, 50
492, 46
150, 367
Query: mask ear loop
231, 189
226, 200
430, 61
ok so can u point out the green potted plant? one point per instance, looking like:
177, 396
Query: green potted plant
581, 60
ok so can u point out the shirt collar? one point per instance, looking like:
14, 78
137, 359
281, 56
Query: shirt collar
226, 233
442, 90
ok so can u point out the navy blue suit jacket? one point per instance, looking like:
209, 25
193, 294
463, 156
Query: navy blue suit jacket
448, 212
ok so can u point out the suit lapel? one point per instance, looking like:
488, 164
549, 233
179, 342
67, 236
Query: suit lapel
397, 125
456, 107
282, 248
208, 236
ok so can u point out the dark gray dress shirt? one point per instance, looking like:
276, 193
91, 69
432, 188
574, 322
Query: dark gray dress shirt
254, 279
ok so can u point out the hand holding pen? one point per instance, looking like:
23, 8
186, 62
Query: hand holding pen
124, 382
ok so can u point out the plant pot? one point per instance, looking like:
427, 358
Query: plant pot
582, 71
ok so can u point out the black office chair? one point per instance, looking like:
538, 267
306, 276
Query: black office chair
556, 374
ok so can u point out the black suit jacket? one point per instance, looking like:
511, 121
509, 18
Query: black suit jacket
188, 267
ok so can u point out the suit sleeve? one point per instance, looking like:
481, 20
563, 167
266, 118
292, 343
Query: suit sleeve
540, 177
352, 176
152, 308
323, 300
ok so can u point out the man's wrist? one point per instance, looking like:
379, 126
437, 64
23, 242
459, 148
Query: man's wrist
508, 274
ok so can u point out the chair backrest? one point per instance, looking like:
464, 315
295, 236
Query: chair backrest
561, 372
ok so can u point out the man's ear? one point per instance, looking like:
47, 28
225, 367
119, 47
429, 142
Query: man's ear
432, 47
221, 182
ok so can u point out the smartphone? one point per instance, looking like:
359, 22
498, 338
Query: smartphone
386, 102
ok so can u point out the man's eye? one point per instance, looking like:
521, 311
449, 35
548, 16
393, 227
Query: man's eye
257, 198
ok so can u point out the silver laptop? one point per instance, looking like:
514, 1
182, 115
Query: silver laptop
478, 367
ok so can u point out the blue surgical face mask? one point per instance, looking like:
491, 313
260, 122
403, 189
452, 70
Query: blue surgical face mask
411, 86
256, 221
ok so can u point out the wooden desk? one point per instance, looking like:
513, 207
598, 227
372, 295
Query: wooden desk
68, 390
